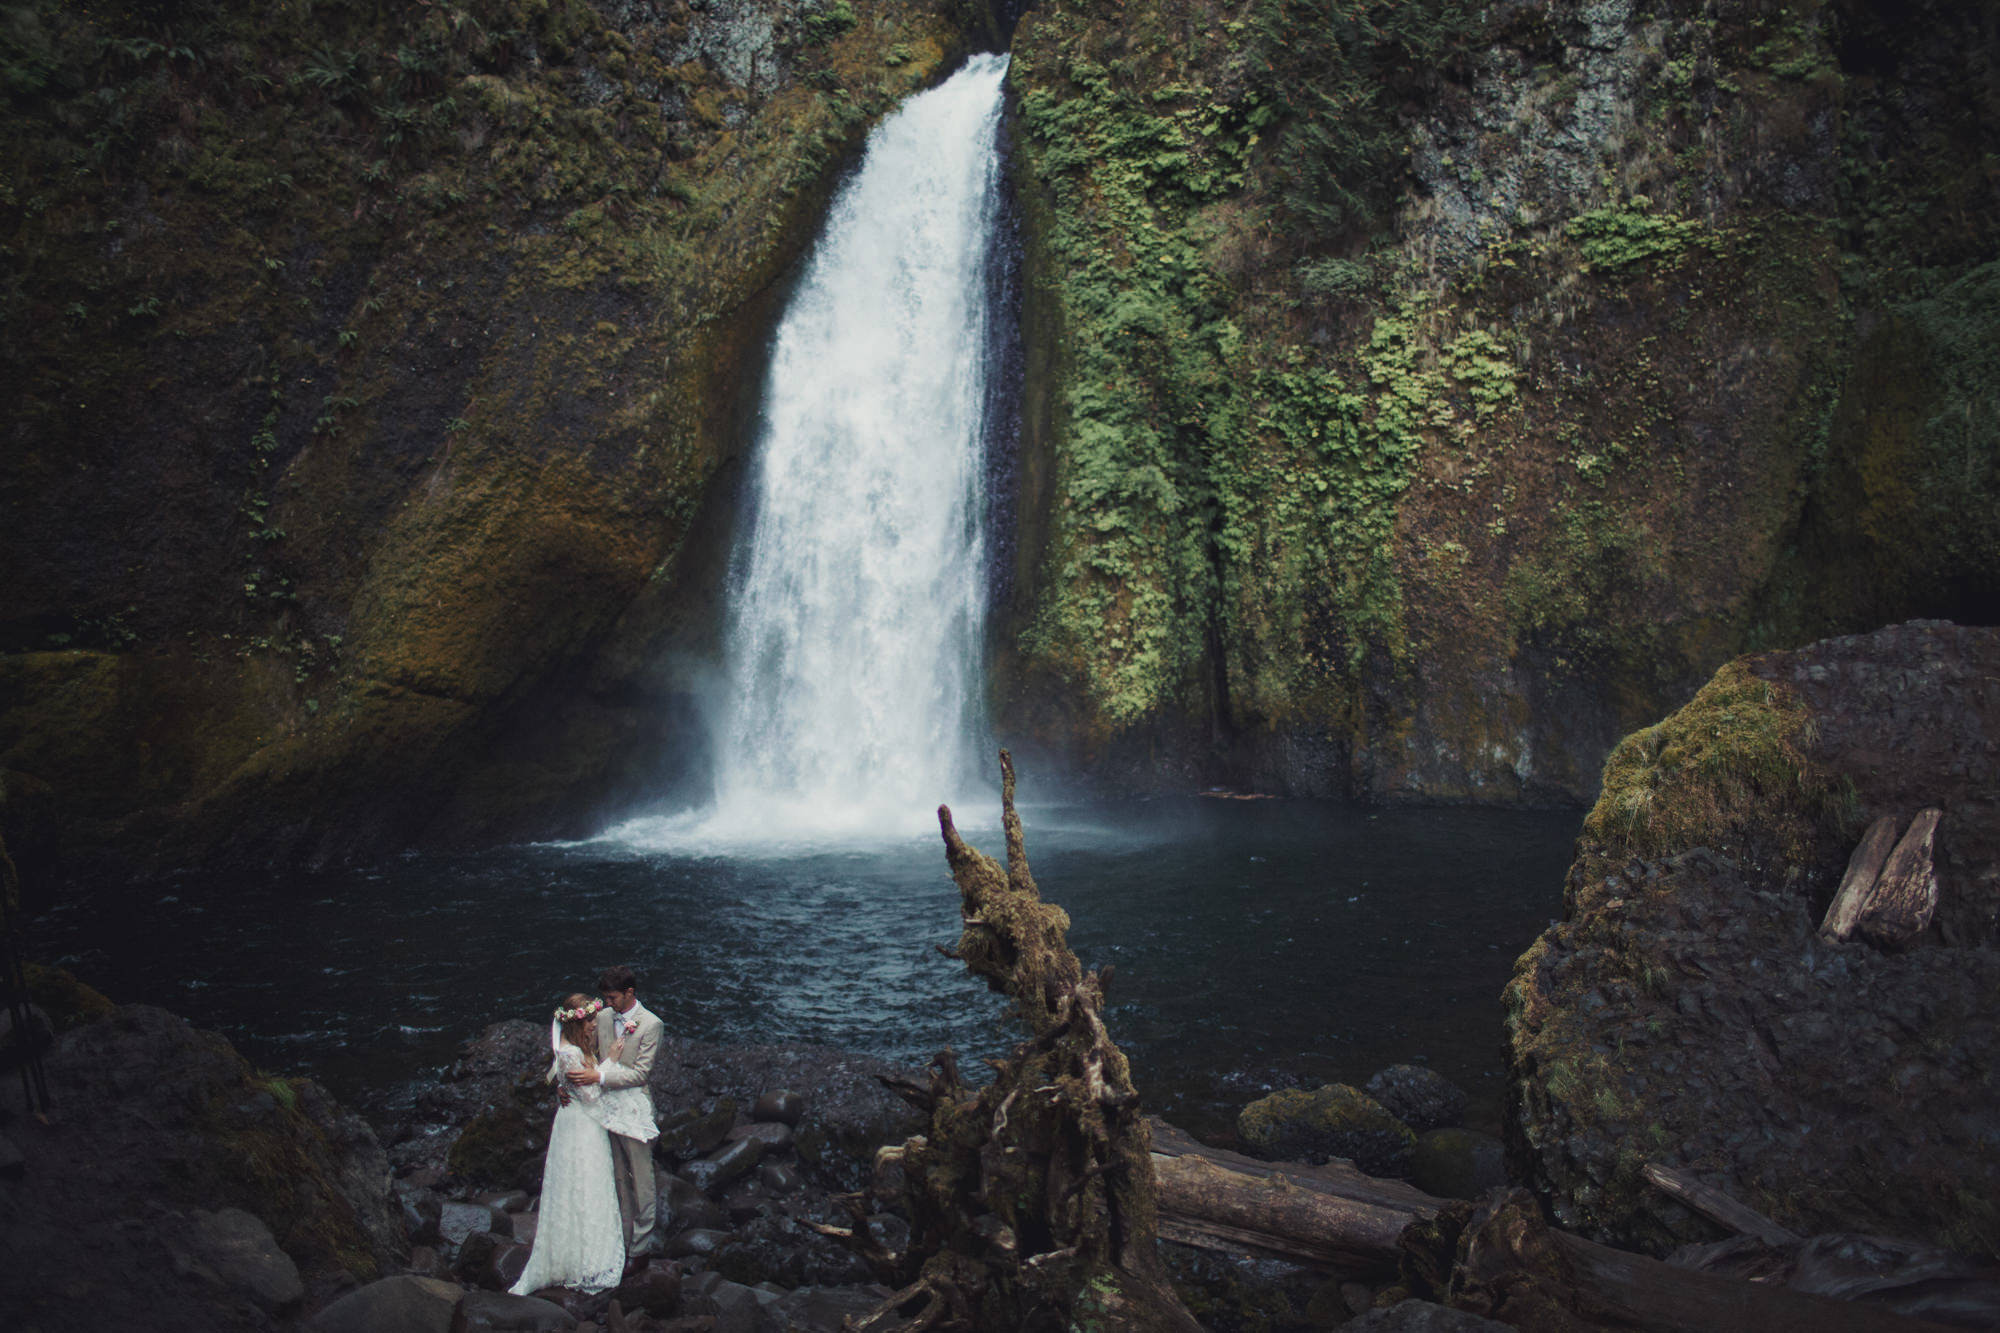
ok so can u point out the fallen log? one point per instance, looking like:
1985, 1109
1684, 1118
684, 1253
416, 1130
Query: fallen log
1500, 1259
1864, 867
1716, 1206
1330, 1217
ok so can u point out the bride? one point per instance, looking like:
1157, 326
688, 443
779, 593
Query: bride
580, 1238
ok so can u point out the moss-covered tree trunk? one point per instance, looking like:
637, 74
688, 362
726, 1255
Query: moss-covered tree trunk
1031, 1200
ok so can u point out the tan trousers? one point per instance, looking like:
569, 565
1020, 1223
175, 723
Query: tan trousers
632, 1166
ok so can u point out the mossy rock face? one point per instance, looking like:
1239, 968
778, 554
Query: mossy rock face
68, 1002
1379, 451
503, 1146
381, 375
1685, 1010
1332, 1121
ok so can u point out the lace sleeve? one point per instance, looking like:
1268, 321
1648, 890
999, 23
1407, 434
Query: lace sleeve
571, 1058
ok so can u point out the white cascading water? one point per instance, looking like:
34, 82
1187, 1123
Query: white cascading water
854, 639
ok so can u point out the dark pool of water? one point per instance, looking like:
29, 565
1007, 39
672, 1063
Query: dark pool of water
1258, 944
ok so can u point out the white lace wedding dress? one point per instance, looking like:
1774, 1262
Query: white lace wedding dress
579, 1235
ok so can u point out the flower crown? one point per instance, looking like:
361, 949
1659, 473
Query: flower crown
581, 1012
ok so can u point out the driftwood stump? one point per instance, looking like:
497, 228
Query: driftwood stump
1031, 1200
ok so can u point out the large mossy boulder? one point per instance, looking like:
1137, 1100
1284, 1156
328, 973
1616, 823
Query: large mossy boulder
1295, 1125
215, 1195
1687, 1011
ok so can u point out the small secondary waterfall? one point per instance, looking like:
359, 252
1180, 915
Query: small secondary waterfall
859, 598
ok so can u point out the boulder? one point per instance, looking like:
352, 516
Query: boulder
655, 1289
694, 1130
177, 1118
775, 1135
1687, 1011
499, 1312
782, 1106
393, 1305
777, 1177
458, 1219
1421, 1098
423, 1214
1332, 1121
696, 1241
682, 1206
235, 1250
715, 1172
1458, 1163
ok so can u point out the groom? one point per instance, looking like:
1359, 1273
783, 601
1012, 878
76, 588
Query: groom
624, 1020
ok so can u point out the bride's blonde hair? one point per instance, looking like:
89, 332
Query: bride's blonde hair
581, 1032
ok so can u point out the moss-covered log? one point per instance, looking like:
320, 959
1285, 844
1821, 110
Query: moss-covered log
1031, 1200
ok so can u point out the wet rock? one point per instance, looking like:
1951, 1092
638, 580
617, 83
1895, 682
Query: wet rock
499, 1312
692, 1131
775, 1135
392, 1305
523, 1226
777, 1177
1332, 1121
823, 1309
1458, 1163
425, 1261
782, 1106
1421, 1098
12, 1164
1422, 1317
734, 1160
695, 1242
457, 1220
235, 1250
682, 1206
508, 1201
745, 1200
423, 1214
655, 1289
475, 1257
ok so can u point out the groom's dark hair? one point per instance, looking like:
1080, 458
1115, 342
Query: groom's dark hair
617, 978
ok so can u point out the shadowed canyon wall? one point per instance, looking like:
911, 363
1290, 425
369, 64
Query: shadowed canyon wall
1418, 396
1428, 394
378, 376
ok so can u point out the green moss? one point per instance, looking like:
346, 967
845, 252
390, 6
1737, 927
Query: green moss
68, 1002
1617, 238
1735, 759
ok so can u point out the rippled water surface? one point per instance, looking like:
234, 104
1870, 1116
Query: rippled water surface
1258, 943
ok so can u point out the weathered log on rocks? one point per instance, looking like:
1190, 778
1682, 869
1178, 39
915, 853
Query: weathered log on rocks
1332, 1217
1905, 896
1031, 1201
1863, 869
1718, 1207
1501, 1260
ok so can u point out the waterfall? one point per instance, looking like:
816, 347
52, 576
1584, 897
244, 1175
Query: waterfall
859, 584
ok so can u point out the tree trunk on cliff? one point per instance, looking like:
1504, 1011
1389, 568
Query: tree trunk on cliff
1031, 1200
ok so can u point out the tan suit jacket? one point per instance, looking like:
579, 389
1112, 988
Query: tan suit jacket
627, 1073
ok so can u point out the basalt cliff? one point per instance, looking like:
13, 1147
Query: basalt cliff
1414, 397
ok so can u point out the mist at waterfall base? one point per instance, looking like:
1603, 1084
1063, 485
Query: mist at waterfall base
1258, 944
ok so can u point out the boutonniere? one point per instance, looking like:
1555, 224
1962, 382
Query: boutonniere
631, 1026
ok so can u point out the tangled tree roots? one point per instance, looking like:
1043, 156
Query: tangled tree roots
1030, 1200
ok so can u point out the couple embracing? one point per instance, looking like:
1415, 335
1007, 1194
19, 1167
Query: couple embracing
597, 1201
